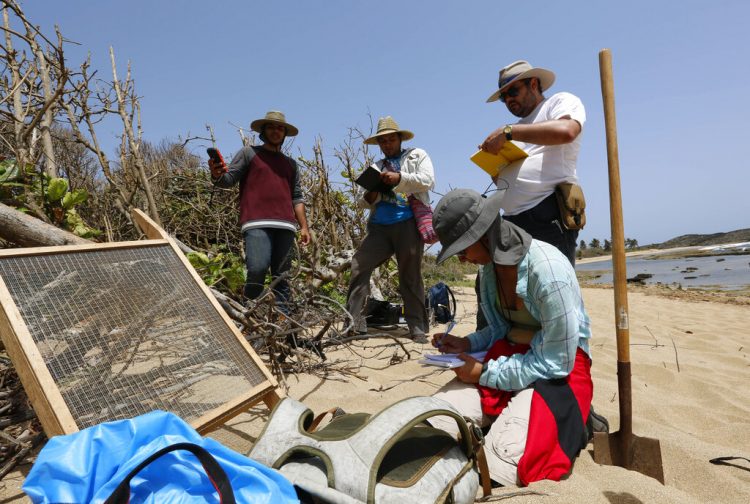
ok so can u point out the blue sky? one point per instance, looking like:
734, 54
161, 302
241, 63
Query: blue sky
681, 71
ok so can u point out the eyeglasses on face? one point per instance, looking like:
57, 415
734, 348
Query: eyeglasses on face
513, 91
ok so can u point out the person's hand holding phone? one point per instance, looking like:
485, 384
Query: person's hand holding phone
216, 163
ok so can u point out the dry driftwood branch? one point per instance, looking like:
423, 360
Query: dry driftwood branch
126, 97
26, 231
33, 89
22, 453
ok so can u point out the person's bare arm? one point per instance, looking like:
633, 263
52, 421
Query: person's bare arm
304, 231
555, 132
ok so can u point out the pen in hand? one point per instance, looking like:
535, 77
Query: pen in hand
448, 329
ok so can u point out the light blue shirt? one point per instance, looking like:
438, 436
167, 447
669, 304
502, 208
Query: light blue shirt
549, 288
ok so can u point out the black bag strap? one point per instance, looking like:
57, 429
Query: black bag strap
453, 300
213, 469
726, 461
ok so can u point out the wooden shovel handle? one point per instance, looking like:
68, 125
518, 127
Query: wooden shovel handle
615, 210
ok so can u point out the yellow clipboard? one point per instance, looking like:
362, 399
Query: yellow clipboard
494, 163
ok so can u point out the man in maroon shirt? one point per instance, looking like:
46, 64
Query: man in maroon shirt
271, 204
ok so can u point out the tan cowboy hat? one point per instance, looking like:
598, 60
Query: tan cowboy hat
387, 125
273, 117
521, 70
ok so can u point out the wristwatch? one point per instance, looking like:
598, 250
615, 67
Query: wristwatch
508, 132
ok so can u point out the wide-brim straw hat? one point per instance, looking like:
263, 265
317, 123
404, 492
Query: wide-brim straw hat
273, 117
387, 125
463, 216
521, 70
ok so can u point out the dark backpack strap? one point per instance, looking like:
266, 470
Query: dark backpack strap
477, 440
213, 469
452, 299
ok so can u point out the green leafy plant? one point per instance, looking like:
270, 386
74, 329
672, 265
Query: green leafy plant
52, 194
219, 268
61, 207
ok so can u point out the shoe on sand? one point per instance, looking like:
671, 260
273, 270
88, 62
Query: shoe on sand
419, 338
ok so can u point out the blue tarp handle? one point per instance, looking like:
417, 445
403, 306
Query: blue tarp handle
215, 473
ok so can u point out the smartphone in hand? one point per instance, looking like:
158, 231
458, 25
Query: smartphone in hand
215, 156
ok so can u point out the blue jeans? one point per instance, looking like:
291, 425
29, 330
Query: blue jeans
264, 248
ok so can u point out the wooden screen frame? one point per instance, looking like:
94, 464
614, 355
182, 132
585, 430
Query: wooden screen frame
43, 392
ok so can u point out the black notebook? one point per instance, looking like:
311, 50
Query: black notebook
370, 180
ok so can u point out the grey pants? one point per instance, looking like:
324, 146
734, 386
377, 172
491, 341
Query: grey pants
381, 242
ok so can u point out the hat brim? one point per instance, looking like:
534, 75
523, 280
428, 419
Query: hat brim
404, 134
258, 124
490, 211
546, 79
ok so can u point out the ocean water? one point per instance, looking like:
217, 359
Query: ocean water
726, 272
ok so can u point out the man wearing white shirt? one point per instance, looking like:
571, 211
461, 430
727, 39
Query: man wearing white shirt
549, 130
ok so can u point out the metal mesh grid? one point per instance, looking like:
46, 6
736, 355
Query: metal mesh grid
127, 331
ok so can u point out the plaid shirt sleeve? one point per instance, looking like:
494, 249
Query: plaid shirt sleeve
548, 286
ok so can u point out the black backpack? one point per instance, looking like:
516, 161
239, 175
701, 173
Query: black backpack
441, 303
382, 313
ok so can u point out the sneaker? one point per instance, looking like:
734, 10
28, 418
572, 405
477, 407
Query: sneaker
419, 338
354, 332
596, 423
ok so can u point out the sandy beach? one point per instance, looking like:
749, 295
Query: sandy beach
690, 365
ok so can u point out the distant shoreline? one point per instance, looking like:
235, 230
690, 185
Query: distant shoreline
671, 253
637, 253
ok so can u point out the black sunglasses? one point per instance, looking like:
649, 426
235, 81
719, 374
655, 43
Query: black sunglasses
513, 91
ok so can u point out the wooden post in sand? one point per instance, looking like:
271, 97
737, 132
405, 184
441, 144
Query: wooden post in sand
621, 448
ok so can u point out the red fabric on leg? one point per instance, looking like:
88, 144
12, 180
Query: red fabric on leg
544, 456
494, 400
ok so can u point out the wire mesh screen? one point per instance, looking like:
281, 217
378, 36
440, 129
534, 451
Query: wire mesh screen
127, 331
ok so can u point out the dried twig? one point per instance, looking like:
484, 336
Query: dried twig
22, 453
510, 495
676, 359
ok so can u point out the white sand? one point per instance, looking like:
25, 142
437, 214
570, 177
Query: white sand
697, 412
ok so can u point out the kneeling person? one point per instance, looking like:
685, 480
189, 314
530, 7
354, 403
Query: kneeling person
534, 388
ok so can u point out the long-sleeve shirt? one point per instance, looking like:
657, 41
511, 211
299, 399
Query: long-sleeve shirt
269, 187
548, 286
417, 177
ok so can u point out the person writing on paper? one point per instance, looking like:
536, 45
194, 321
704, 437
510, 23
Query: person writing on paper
549, 130
392, 229
534, 387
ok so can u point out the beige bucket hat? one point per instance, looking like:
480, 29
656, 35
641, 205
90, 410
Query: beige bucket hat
521, 70
273, 117
463, 216
387, 125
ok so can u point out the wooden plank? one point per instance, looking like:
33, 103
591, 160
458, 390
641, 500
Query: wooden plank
272, 399
35, 377
150, 228
218, 417
89, 247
